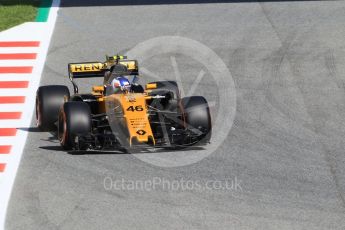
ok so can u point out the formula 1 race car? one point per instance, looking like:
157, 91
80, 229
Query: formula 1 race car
133, 116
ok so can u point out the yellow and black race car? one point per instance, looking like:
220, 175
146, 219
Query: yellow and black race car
121, 114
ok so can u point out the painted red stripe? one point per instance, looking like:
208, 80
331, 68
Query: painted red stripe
18, 56
2, 167
10, 115
20, 44
8, 132
16, 69
5, 149
12, 99
14, 84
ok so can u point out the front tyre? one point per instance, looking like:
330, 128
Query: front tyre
74, 120
197, 118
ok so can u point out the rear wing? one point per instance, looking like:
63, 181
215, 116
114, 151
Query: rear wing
98, 69
87, 69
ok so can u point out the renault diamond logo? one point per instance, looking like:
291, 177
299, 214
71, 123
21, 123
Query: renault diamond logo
141, 132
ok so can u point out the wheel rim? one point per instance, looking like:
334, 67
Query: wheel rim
38, 113
62, 126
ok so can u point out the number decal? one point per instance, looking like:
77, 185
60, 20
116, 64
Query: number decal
130, 108
136, 108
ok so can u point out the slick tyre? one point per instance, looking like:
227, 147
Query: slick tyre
197, 118
74, 120
49, 99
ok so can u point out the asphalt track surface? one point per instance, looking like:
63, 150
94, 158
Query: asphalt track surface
286, 146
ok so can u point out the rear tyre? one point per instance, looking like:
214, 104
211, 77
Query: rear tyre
74, 120
197, 117
49, 99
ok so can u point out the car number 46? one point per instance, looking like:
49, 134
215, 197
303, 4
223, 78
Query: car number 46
135, 108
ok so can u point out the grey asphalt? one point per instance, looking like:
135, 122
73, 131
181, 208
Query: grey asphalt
285, 151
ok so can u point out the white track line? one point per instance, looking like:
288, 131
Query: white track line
4, 158
11, 108
7, 140
12, 63
14, 50
13, 123
27, 32
15, 92
16, 77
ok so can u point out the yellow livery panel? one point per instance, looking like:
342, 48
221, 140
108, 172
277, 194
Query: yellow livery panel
87, 67
131, 65
99, 66
135, 113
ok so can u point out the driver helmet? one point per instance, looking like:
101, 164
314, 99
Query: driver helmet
120, 84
